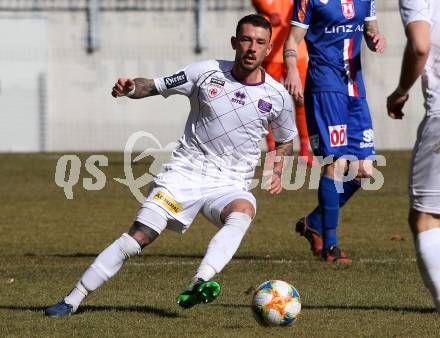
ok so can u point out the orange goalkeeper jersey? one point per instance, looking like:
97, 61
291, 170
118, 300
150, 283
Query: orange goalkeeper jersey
284, 8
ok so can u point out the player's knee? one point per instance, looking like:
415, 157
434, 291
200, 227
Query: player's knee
362, 169
365, 172
142, 233
149, 223
422, 221
242, 206
336, 170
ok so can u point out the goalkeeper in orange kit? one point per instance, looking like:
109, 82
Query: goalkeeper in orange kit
279, 13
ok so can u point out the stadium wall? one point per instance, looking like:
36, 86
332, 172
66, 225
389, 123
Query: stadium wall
55, 96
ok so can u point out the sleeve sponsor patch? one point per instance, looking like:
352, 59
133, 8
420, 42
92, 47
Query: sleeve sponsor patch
175, 80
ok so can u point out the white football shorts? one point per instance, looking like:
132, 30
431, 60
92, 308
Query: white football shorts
183, 194
424, 186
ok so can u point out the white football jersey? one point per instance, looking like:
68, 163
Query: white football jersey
429, 11
228, 118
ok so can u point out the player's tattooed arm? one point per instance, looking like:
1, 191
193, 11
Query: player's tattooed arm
289, 53
135, 89
292, 81
371, 27
144, 88
375, 41
281, 150
296, 35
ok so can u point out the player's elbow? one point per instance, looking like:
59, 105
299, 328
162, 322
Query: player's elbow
421, 47
419, 37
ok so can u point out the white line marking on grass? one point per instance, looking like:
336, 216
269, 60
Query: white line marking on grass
387, 260
278, 261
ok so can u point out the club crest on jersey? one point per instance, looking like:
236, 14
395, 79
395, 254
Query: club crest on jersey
264, 106
215, 87
239, 97
348, 8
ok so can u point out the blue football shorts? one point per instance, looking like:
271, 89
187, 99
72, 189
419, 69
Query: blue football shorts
339, 125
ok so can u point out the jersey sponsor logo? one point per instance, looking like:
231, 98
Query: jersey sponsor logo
239, 98
348, 8
338, 135
325, 2
344, 29
215, 87
368, 136
264, 106
302, 10
169, 203
175, 80
217, 81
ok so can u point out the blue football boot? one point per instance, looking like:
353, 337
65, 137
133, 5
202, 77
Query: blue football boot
61, 309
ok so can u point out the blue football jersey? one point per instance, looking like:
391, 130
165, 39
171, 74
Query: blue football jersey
334, 36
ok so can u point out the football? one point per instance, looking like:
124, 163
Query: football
276, 303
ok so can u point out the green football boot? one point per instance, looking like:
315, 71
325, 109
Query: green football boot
199, 292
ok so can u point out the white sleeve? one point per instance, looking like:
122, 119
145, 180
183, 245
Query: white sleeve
414, 10
283, 126
182, 82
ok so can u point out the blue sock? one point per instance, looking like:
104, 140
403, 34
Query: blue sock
350, 187
314, 218
329, 205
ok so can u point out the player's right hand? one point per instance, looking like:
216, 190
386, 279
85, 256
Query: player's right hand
294, 86
395, 103
122, 87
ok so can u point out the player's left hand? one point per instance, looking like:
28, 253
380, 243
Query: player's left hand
395, 103
293, 84
376, 42
275, 184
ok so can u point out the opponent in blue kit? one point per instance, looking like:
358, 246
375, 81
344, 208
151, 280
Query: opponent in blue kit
338, 118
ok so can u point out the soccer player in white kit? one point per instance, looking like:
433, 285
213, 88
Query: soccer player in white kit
232, 104
421, 19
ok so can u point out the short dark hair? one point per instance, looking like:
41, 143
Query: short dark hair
256, 20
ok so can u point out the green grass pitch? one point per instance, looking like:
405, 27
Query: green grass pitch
46, 242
